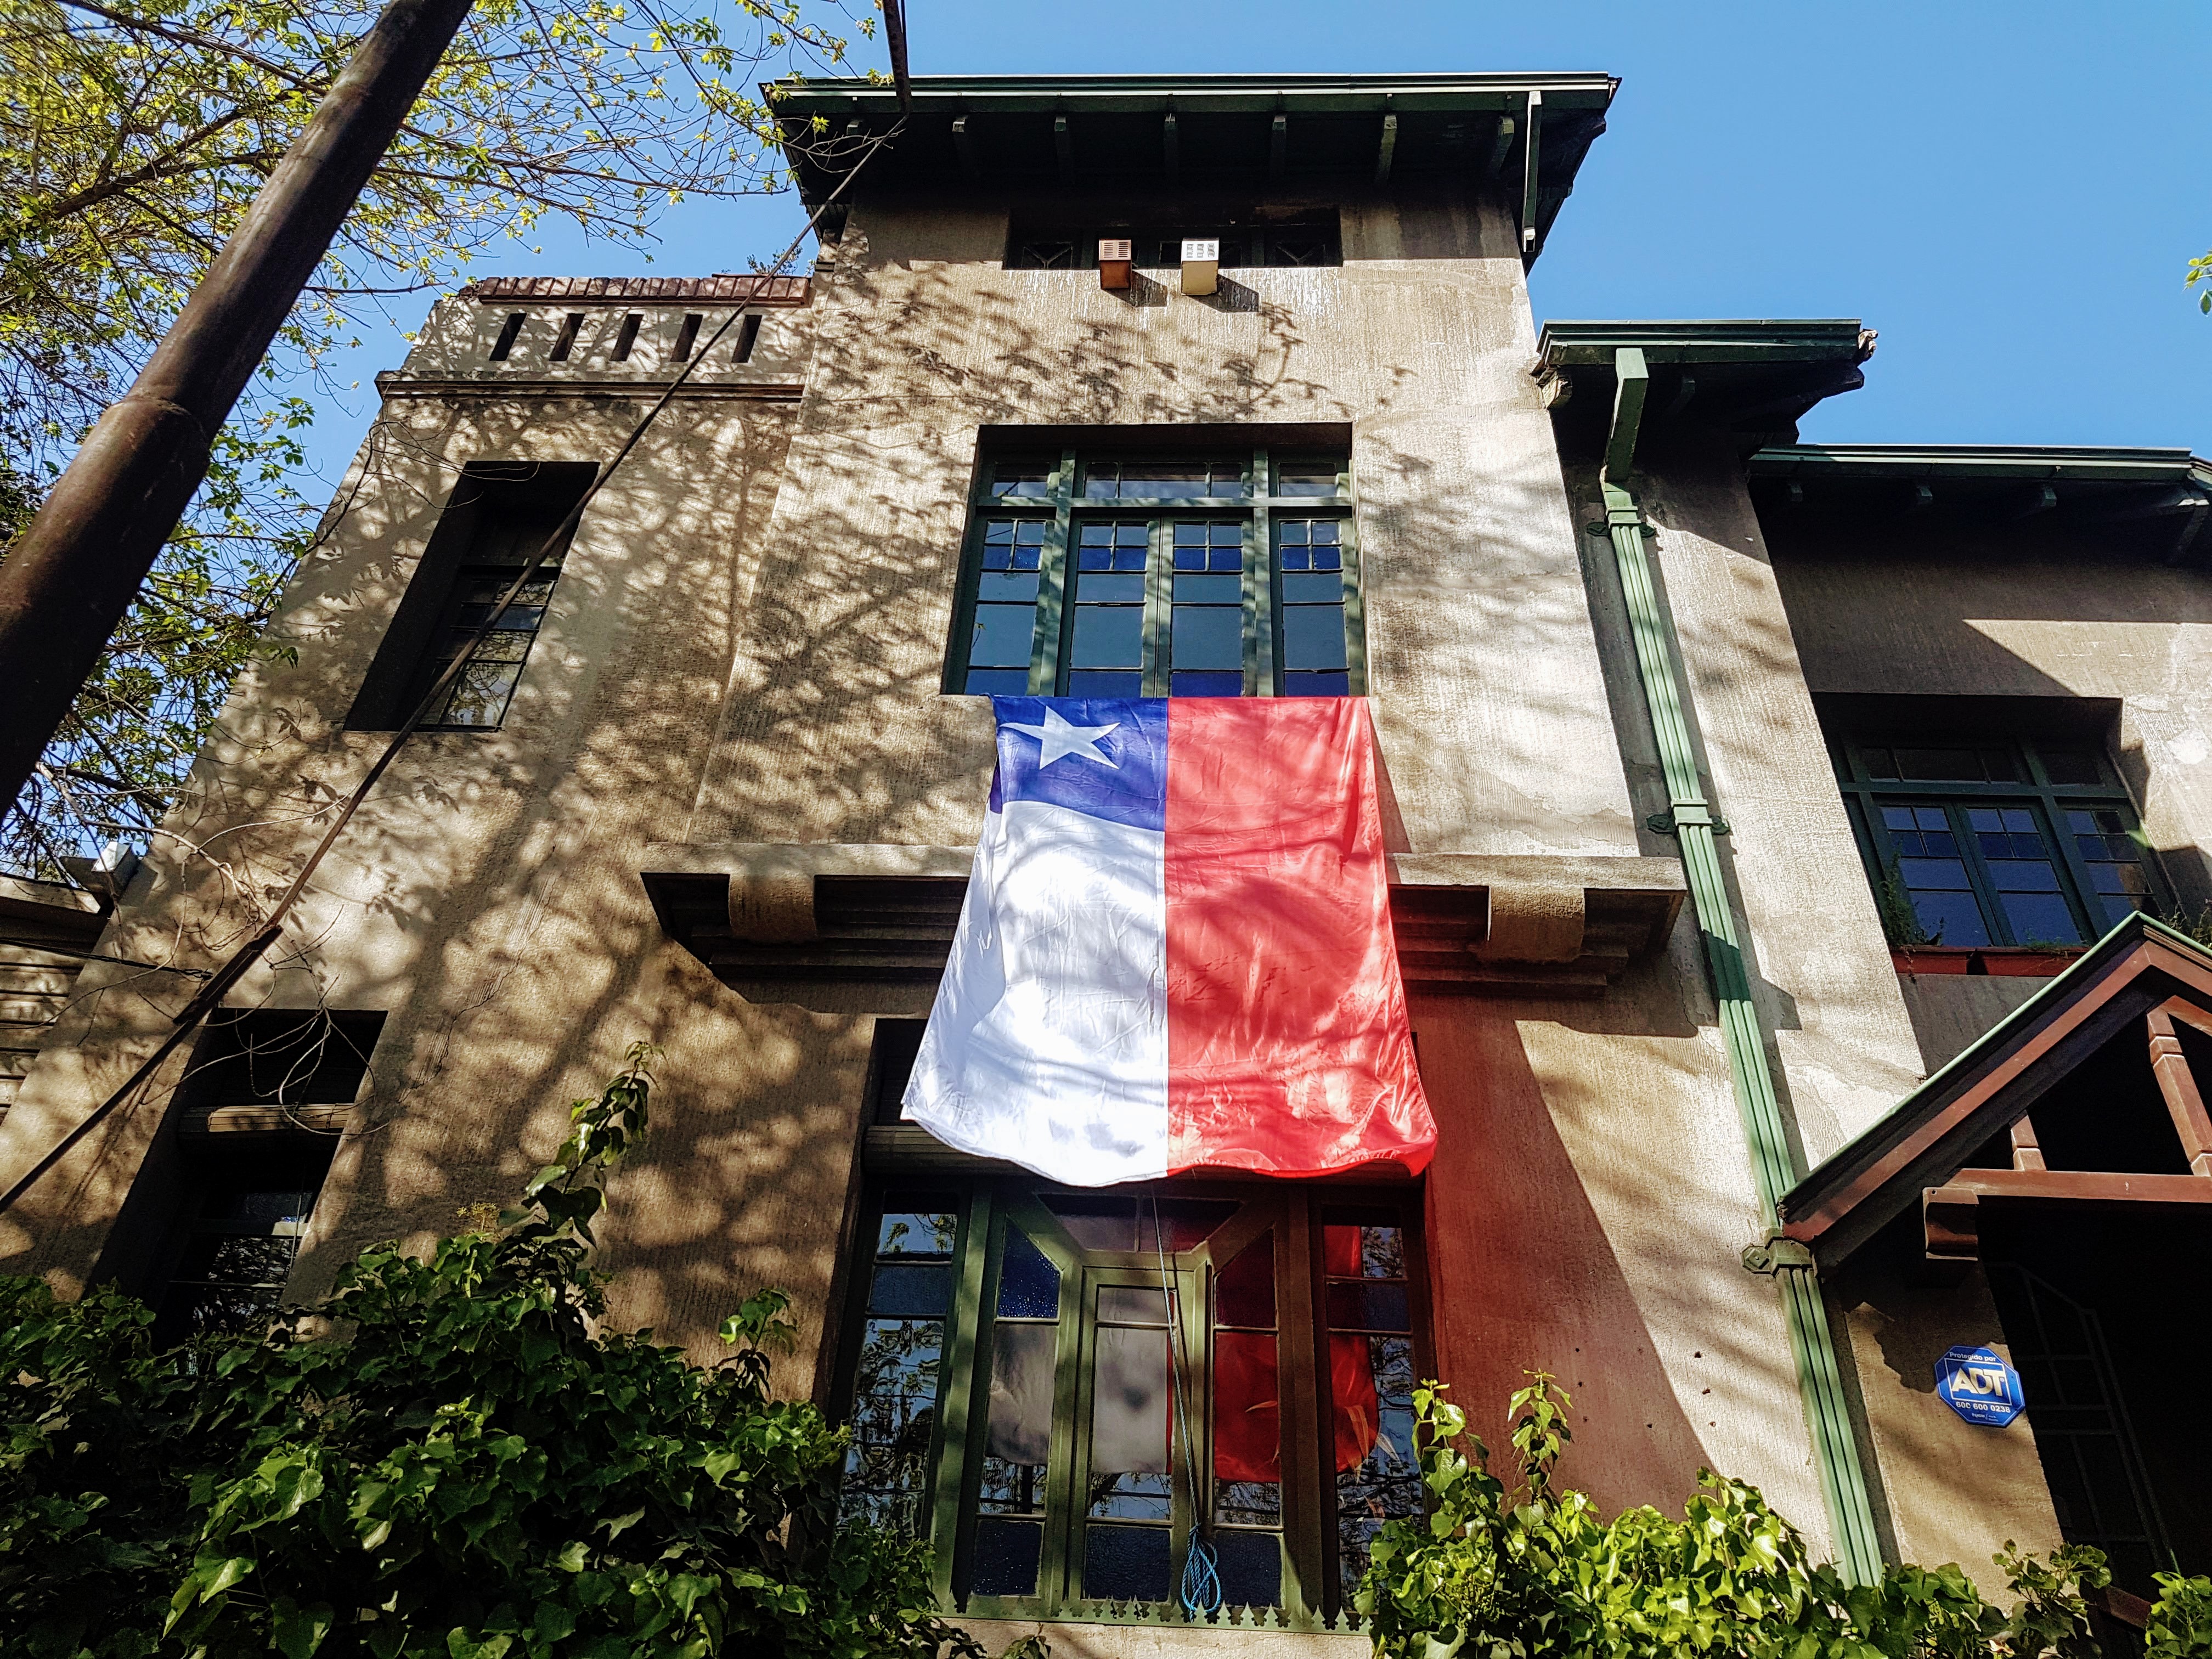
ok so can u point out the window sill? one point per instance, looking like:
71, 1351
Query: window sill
1995, 961
1228, 1633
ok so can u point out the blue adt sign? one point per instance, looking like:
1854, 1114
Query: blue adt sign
1979, 1386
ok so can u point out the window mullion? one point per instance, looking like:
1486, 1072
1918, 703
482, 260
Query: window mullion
960, 1426
1260, 584
1159, 604
1046, 649
1302, 1357
1978, 871
2083, 887
1355, 607
1071, 1441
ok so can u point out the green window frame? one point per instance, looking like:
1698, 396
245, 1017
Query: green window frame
1995, 841
1144, 574
1010, 1373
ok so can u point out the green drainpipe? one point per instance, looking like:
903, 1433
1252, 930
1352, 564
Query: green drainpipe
1819, 1380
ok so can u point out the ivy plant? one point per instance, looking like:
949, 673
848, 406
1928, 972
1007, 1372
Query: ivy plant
1499, 1571
473, 1467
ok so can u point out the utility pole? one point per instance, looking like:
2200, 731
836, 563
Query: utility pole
68, 582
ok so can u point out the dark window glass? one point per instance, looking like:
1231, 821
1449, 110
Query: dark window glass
902, 1346
479, 695
1106, 651
1929, 863
231, 1279
2020, 863
1206, 649
1248, 1429
1004, 626
1309, 557
2117, 882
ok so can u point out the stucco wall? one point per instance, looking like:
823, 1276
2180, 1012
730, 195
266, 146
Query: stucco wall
1985, 611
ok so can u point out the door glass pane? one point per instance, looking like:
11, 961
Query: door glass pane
1370, 1385
1309, 562
1248, 1445
895, 1384
1934, 874
1018, 1435
1132, 1418
1128, 1224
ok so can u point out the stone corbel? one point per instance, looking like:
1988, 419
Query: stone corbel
1533, 922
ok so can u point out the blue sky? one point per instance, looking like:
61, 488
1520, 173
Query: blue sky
2007, 192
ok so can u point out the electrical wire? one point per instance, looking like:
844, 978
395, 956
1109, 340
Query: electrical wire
1200, 1593
219, 982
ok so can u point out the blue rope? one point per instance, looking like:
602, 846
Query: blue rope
1201, 1569
1202, 1578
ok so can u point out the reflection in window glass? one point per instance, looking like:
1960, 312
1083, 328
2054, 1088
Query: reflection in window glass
1005, 627
231, 1279
1181, 480
1206, 653
2021, 871
1031, 477
2114, 862
1248, 1432
1106, 651
901, 1344
1322, 477
1128, 1484
1024, 1345
477, 697
1930, 863
1131, 1223
1309, 556
1370, 1353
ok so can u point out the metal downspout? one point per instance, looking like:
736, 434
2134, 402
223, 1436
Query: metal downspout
1819, 1380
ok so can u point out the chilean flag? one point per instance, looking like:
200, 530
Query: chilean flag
1175, 950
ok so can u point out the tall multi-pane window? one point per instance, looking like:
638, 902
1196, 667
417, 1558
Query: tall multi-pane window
1213, 574
1063, 1390
1995, 840
499, 518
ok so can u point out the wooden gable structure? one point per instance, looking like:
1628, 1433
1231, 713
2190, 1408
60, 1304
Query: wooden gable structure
1968, 1138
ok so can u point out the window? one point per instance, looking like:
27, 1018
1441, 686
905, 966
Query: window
1209, 573
1057, 1389
247, 1191
1247, 242
500, 513
1995, 841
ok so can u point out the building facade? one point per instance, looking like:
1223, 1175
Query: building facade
1773, 825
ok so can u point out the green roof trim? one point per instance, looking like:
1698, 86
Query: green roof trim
1935, 463
1258, 136
1574, 344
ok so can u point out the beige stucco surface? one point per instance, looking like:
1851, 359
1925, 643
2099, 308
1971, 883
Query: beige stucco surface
747, 646
2029, 613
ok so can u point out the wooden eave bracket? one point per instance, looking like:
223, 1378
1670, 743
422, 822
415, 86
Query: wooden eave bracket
1466, 923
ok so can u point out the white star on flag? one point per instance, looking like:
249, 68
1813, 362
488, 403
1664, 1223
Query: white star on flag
1059, 737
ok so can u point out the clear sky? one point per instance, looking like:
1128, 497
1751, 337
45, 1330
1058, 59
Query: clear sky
2009, 193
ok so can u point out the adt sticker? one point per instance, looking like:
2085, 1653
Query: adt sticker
1979, 1386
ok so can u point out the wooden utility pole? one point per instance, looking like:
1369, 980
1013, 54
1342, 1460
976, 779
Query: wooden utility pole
68, 581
